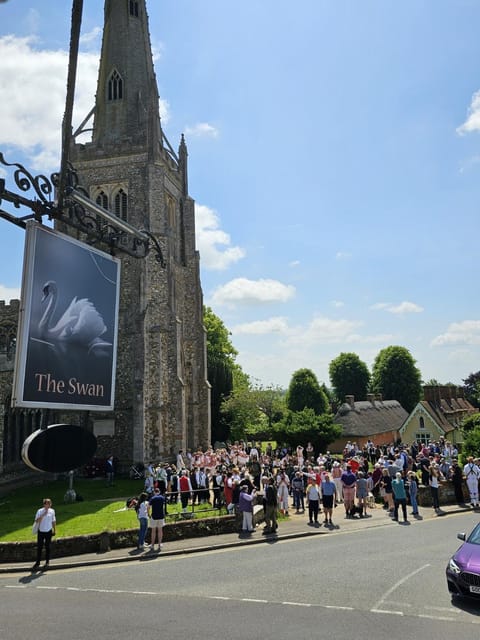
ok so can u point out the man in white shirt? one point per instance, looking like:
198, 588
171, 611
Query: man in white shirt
46, 522
471, 471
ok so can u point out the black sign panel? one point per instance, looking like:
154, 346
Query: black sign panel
67, 337
59, 448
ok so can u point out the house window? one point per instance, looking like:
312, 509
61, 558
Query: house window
423, 438
121, 204
133, 4
421, 422
115, 86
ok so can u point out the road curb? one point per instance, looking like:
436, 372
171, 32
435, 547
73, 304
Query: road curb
358, 525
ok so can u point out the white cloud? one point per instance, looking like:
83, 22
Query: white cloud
343, 255
33, 98
9, 293
201, 130
294, 263
213, 243
262, 327
92, 37
33, 85
403, 307
164, 107
466, 332
337, 304
245, 291
323, 330
472, 123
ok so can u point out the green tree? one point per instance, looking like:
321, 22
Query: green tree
349, 376
471, 423
221, 370
240, 413
270, 402
300, 427
471, 386
471, 444
304, 392
251, 411
396, 377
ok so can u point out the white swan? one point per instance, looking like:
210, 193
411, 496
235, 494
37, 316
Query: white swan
81, 323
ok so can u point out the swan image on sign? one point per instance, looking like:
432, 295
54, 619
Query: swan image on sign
66, 351
80, 323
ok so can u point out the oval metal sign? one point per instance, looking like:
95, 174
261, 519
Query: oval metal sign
59, 448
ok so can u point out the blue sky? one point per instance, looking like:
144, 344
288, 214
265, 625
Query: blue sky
334, 156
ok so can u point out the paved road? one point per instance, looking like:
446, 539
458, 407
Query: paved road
373, 583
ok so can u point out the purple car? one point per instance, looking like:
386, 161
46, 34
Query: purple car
463, 569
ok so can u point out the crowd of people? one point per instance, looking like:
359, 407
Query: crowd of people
299, 479
236, 476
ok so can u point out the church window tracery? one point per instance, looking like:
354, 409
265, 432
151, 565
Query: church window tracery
115, 86
121, 204
102, 200
133, 8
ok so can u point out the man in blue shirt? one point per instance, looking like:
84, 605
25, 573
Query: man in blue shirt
156, 512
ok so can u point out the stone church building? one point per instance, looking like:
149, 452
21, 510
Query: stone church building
162, 400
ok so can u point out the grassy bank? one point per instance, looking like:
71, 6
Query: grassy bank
98, 511
102, 508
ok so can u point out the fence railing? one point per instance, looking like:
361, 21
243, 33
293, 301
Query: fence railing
200, 501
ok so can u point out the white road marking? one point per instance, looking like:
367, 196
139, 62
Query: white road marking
16, 586
396, 585
376, 610
389, 611
254, 600
442, 609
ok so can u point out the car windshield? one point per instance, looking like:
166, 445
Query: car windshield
474, 537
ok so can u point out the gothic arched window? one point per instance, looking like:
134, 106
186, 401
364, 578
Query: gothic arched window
121, 204
115, 86
421, 422
133, 8
102, 199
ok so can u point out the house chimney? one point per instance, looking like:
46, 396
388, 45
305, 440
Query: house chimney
371, 398
351, 401
428, 393
378, 397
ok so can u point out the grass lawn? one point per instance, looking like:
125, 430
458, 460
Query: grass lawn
101, 508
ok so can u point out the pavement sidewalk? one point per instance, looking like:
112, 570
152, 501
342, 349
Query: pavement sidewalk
295, 526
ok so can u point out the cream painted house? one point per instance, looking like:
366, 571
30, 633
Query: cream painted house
439, 415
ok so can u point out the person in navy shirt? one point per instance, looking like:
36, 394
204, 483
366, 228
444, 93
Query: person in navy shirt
156, 512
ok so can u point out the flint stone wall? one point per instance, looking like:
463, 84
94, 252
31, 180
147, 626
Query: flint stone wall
108, 540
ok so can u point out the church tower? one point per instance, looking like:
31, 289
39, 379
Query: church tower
162, 395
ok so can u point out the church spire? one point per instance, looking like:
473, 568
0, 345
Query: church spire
126, 107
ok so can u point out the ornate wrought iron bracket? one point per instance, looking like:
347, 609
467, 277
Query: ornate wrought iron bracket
98, 224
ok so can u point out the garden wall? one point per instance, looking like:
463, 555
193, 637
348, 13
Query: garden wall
106, 540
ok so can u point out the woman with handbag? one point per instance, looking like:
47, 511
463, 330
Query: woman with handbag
44, 523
